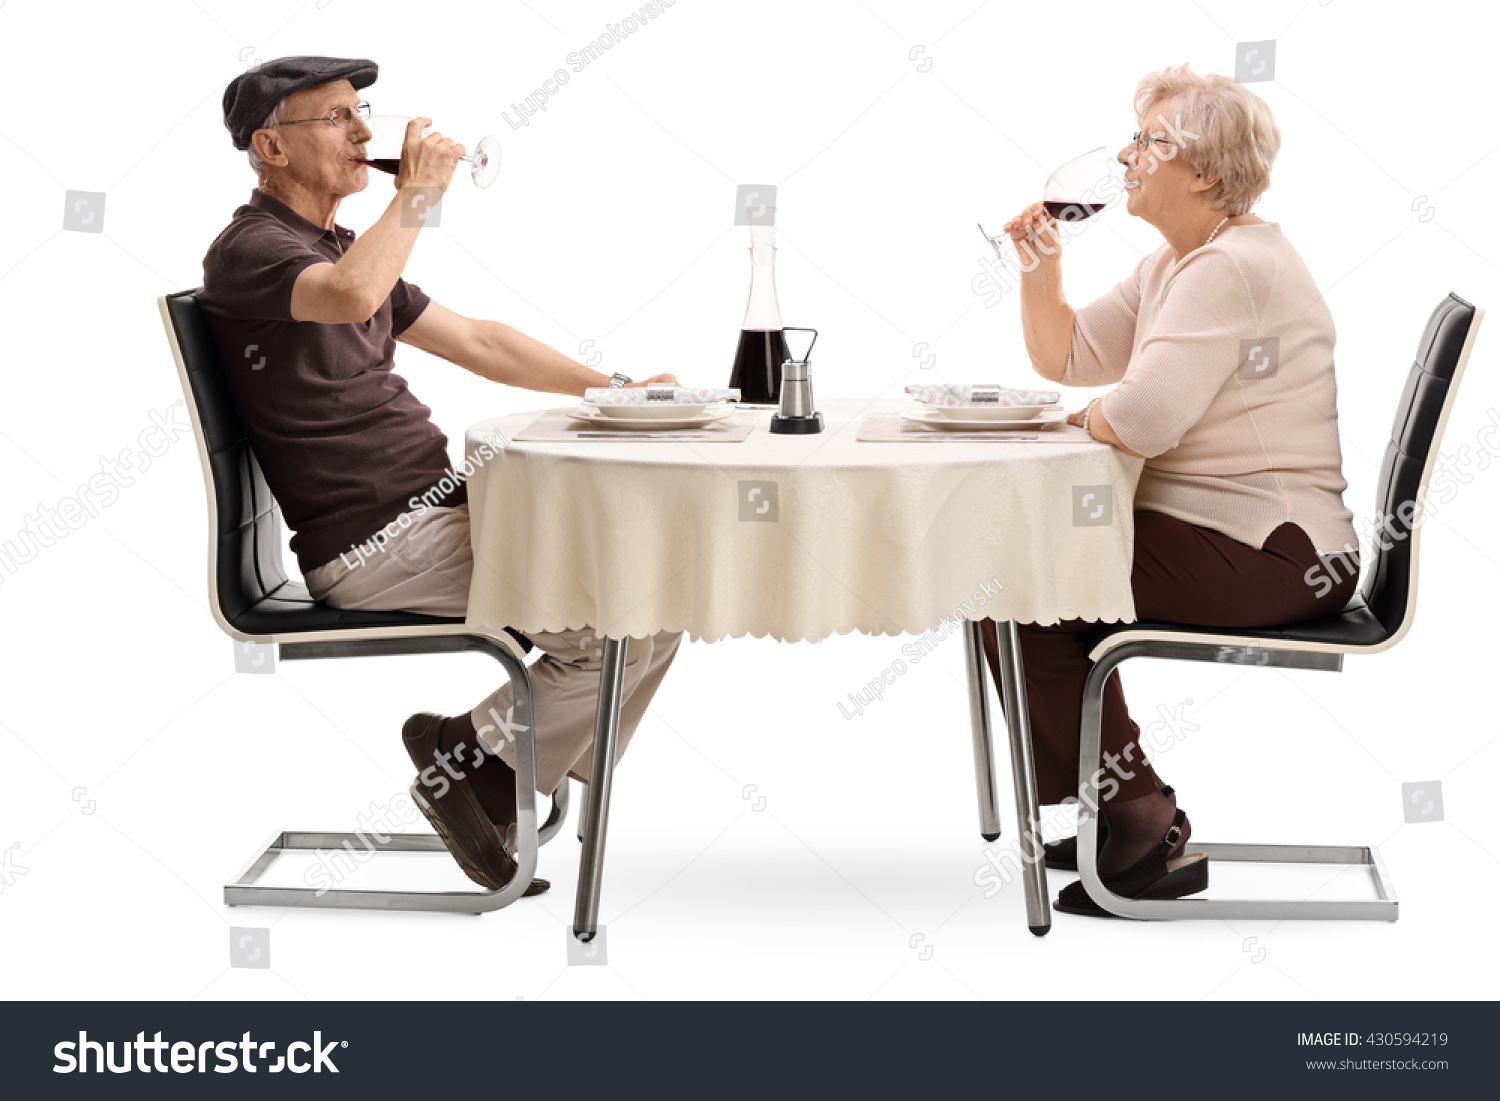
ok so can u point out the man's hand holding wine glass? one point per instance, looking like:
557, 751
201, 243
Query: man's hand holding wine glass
427, 162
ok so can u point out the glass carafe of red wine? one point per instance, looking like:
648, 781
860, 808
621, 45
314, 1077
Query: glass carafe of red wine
762, 348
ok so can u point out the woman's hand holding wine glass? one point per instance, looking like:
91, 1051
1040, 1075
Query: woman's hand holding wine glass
1028, 225
429, 161
1071, 194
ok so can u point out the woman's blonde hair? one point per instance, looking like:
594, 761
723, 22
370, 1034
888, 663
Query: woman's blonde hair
1221, 128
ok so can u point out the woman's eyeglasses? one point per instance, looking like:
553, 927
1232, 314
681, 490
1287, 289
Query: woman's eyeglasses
1142, 139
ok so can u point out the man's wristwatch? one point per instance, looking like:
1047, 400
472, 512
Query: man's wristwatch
618, 380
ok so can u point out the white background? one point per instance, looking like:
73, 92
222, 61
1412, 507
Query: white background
612, 222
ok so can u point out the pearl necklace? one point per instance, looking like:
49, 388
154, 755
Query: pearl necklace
1215, 233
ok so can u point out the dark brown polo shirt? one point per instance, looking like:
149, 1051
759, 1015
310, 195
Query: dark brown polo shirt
344, 444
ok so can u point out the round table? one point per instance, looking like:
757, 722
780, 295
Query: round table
796, 537
799, 538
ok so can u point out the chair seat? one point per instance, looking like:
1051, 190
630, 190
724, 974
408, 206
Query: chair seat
291, 609
1355, 627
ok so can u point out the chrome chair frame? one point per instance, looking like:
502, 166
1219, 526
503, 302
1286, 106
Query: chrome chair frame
252, 600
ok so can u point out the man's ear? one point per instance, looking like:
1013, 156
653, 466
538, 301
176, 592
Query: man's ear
268, 145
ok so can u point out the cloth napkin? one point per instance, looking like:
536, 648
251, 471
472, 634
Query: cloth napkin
953, 396
680, 395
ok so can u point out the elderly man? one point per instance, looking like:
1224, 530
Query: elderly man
306, 318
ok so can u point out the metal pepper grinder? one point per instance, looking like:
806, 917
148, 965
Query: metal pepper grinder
797, 417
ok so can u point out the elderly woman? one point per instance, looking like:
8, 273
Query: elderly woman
1219, 351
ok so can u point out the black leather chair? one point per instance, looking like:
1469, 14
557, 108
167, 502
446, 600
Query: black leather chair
254, 601
1377, 618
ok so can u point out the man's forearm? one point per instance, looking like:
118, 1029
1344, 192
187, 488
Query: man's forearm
505, 355
369, 270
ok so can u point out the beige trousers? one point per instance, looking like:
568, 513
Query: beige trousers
425, 567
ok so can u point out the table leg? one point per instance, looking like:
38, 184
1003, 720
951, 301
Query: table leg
601, 774
1023, 772
979, 723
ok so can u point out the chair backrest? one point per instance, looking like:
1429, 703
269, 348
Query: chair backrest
1390, 586
245, 562
249, 591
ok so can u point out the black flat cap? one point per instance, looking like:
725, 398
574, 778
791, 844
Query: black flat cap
254, 94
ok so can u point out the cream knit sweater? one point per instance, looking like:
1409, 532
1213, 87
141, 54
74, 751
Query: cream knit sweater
1224, 361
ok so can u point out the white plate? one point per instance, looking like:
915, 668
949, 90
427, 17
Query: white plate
932, 420
989, 412
652, 411
712, 414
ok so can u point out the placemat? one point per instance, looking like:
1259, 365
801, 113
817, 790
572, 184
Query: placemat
556, 426
894, 428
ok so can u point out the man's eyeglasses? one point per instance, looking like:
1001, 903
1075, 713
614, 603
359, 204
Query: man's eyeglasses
339, 116
1142, 139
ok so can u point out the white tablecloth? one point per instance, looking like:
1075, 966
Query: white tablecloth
636, 537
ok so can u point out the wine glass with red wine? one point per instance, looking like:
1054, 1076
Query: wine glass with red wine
1080, 189
388, 134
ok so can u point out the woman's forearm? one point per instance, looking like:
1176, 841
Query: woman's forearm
1046, 317
1104, 432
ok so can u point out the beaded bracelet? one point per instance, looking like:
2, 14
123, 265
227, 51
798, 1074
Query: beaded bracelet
1088, 409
